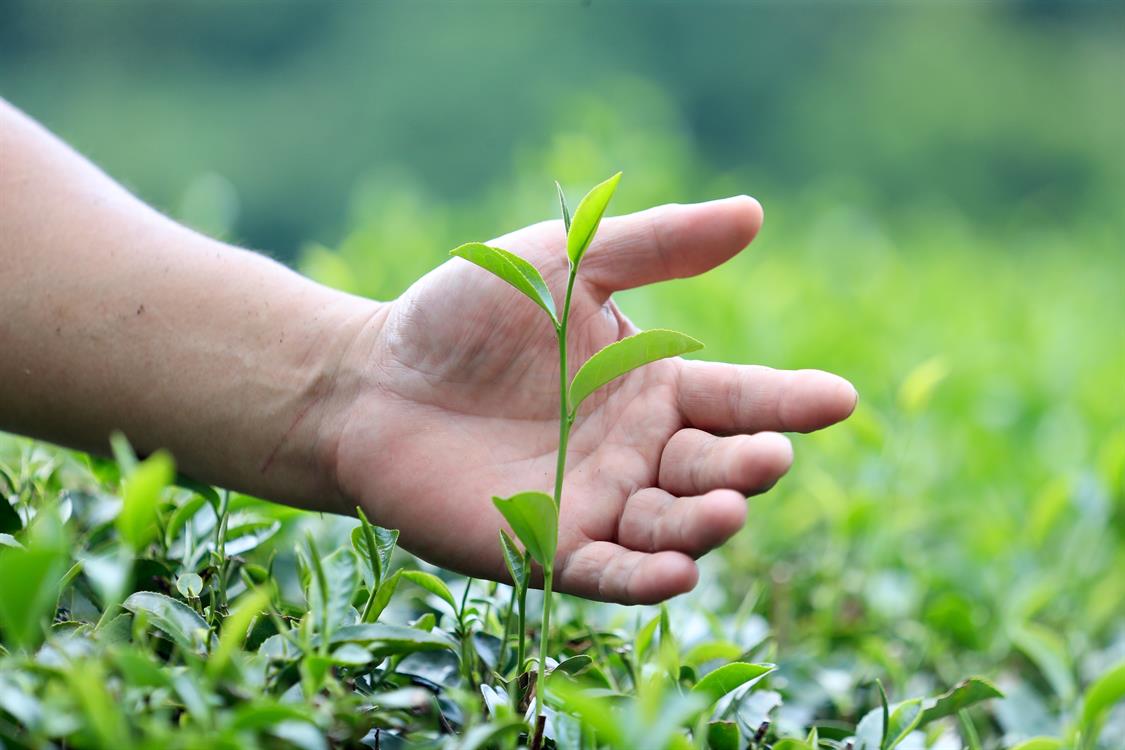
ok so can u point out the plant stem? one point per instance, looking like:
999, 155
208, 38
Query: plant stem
544, 637
565, 422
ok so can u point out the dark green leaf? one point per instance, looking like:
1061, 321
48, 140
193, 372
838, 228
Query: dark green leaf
587, 218
173, 618
385, 640
627, 354
535, 521
10, 521
966, 693
512, 269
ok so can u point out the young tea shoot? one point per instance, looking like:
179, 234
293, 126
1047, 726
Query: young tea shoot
534, 515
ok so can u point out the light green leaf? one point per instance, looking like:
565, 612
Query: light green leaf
1102, 694
29, 581
627, 354
341, 574
512, 269
791, 744
235, 628
189, 585
724, 735
381, 598
140, 501
513, 559
179, 622
964, 694
715, 684
535, 520
1048, 652
1040, 743
903, 718
367, 537
587, 217
431, 583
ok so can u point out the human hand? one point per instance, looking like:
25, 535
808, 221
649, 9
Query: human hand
455, 401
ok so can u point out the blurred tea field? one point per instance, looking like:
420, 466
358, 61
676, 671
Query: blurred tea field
943, 186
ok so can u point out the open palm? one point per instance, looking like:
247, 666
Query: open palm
463, 405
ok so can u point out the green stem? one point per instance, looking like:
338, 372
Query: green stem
544, 637
565, 422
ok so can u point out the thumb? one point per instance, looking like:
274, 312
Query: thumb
670, 242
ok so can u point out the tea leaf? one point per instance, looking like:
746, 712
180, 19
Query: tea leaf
964, 694
431, 583
627, 354
29, 581
341, 578
724, 735
535, 520
179, 622
714, 685
513, 560
564, 207
1102, 694
512, 269
587, 217
140, 501
235, 628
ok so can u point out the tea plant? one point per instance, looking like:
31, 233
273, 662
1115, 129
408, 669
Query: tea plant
534, 516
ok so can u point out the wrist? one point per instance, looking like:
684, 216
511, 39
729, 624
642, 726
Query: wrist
345, 379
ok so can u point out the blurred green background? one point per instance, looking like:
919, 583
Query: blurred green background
943, 185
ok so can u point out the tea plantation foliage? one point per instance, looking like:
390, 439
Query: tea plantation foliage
966, 524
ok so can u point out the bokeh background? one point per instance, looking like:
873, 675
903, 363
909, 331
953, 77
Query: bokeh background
943, 185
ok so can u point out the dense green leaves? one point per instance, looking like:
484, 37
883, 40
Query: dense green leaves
512, 269
587, 218
535, 521
627, 354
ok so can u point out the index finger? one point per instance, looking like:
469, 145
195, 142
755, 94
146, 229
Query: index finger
724, 398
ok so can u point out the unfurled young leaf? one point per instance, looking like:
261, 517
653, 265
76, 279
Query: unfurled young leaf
140, 501
375, 545
513, 559
535, 520
587, 217
627, 354
512, 269
564, 207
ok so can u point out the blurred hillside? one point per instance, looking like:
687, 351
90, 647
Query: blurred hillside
273, 124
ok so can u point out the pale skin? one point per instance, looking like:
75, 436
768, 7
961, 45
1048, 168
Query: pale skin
418, 409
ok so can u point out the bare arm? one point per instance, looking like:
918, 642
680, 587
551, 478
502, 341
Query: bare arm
114, 317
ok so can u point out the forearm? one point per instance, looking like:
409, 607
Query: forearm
114, 317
